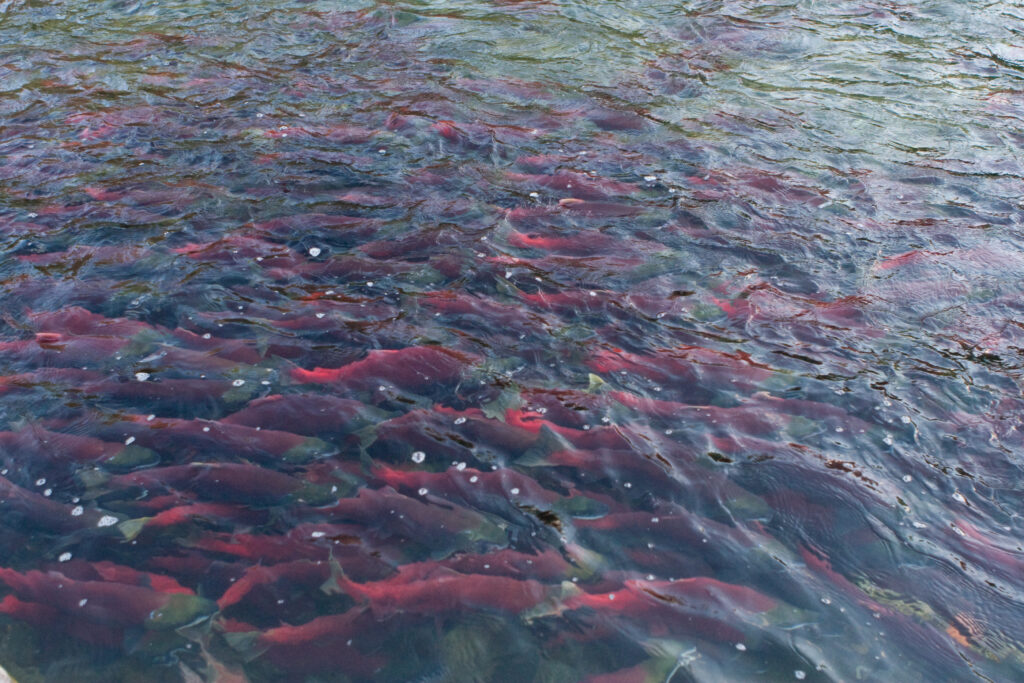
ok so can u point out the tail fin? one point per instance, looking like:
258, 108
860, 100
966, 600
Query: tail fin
246, 643
133, 527
538, 454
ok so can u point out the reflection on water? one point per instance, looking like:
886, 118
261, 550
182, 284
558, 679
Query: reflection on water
540, 341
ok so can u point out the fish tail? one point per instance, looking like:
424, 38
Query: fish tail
131, 528
246, 643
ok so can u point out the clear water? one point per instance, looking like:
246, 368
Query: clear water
705, 321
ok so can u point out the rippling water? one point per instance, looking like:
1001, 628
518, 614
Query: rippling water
533, 341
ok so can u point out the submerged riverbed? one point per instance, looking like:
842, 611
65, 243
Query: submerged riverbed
511, 341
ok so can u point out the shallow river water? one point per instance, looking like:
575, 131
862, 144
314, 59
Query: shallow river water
511, 341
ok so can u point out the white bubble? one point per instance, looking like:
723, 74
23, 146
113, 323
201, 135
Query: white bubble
461, 466
314, 251
800, 675
514, 492
206, 429
150, 418
418, 457
129, 441
320, 315
460, 420
905, 419
959, 497
474, 479
107, 520
318, 534
907, 478
741, 647
142, 376
238, 382
422, 491
535, 194
48, 492
64, 557
650, 178
77, 511
40, 482
81, 603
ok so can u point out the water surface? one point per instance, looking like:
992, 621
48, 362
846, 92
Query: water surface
540, 341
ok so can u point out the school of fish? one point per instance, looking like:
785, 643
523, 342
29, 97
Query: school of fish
360, 364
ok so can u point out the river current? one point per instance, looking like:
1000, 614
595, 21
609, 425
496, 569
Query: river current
511, 341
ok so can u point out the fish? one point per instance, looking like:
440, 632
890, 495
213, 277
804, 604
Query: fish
225, 482
415, 368
41, 512
576, 185
385, 512
181, 514
752, 419
445, 591
501, 492
52, 620
301, 573
108, 602
347, 228
334, 642
199, 435
599, 209
688, 371
307, 414
104, 570
446, 433
695, 606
